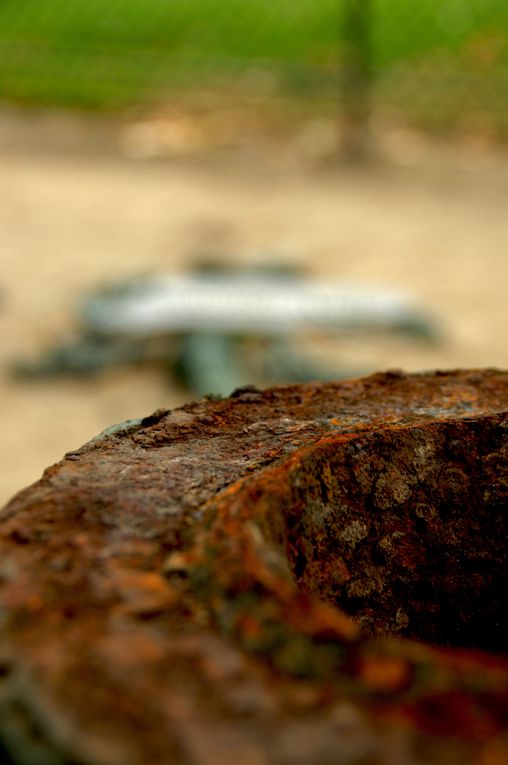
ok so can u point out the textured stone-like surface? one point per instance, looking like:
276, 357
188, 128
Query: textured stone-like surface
310, 574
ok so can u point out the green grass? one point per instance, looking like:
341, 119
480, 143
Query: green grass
111, 53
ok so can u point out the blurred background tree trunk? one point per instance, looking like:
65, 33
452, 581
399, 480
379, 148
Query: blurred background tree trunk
357, 79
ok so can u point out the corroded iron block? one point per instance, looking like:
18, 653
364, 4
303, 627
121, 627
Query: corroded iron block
306, 575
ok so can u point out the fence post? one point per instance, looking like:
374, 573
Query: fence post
356, 80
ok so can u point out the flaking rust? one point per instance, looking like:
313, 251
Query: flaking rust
305, 575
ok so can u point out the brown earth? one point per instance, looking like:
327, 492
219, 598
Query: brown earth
76, 209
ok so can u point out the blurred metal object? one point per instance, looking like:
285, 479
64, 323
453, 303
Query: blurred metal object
211, 328
245, 302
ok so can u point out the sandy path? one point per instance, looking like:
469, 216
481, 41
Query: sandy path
69, 221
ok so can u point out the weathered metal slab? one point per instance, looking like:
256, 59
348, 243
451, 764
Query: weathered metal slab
309, 574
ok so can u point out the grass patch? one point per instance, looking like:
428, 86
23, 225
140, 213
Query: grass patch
108, 54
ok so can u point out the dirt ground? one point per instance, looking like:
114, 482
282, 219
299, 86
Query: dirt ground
79, 208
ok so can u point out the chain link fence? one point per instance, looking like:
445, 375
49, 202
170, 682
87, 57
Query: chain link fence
438, 63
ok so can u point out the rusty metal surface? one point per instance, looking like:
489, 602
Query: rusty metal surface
309, 574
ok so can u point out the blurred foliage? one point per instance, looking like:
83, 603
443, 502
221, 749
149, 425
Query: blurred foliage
437, 59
